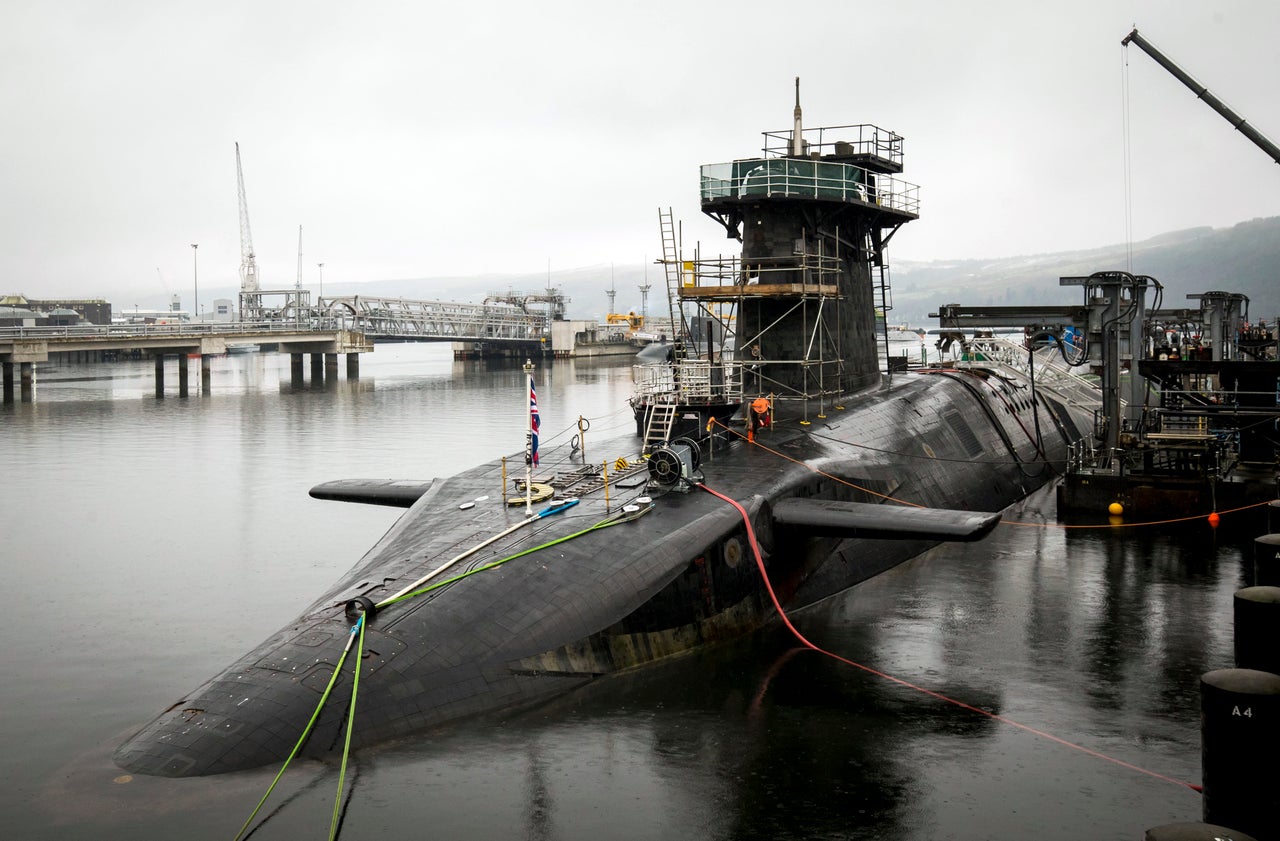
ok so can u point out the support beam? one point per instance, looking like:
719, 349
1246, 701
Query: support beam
353, 366
27, 377
295, 368
331, 367
8, 380
184, 375
317, 368
159, 375
206, 373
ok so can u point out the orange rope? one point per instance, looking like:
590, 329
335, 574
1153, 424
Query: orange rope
1133, 525
847, 483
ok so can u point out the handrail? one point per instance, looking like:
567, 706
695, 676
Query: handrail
799, 178
1066, 383
114, 331
690, 382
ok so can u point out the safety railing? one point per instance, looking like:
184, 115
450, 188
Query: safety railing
450, 320
803, 269
1051, 371
807, 179
864, 140
690, 382
125, 331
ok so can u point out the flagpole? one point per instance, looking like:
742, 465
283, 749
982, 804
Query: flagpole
528, 439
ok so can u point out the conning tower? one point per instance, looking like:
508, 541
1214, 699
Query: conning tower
793, 317
813, 214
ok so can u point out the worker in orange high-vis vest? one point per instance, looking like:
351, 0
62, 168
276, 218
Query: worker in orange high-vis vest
759, 416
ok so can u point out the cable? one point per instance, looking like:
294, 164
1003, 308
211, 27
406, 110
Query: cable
603, 524
351, 720
1128, 161
613, 520
777, 605
306, 731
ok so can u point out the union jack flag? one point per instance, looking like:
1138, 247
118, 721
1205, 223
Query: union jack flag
534, 422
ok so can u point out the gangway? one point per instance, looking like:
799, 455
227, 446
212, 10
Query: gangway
440, 321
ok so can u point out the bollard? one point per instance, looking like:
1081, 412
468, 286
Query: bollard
1239, 737
1257, 618
1194, 832
1266, 560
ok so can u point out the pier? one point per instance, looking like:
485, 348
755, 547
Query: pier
22, 347
507, 324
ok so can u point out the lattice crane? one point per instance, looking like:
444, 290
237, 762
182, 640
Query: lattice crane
250, 301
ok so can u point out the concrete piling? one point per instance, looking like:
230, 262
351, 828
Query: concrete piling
1266, 560
1240, 734
1257, 627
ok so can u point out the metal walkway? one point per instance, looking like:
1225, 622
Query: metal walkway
508, 320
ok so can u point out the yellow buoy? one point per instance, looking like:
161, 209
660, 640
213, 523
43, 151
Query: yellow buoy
1115, 509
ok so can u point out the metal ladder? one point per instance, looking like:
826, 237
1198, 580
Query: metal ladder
671, 264
657, 429
882, 300
882, 294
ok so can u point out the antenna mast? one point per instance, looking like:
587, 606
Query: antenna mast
644, 294
797, 132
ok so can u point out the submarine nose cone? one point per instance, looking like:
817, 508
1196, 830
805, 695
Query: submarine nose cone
229, 725
252, 714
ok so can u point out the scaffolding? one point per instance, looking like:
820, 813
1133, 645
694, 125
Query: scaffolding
717, 358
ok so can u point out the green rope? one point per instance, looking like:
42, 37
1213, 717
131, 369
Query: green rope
360, 625
306, 730
603, 524
351, 720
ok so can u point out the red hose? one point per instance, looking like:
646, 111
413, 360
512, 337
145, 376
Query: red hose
764, 575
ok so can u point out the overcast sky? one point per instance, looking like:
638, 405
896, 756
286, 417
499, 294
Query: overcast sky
430, 139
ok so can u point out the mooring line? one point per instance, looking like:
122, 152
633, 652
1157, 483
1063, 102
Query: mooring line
351, 720
359, 627
306, 731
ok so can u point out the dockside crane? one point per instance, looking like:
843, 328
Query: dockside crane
1259, 139
250, 299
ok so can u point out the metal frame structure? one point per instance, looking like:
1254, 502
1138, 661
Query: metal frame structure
715, 285
439, 320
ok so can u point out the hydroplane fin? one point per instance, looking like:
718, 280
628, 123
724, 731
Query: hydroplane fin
864, 519
398, 493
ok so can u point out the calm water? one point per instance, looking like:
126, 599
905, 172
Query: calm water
148, 543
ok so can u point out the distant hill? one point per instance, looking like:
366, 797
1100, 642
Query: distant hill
1244, 258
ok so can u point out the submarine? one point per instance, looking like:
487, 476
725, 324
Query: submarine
765, 474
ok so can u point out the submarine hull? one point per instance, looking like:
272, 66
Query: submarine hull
566, 599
